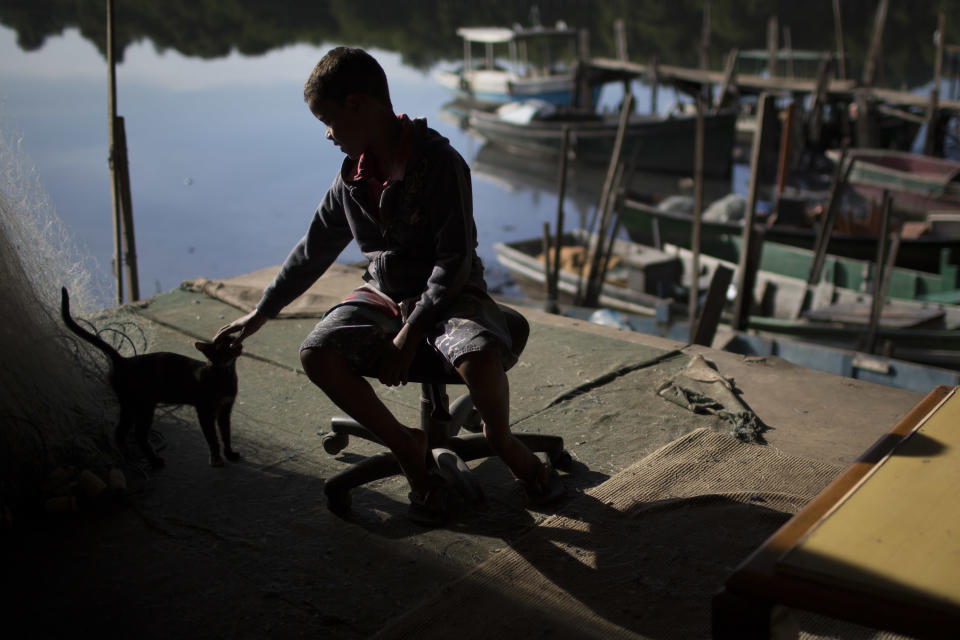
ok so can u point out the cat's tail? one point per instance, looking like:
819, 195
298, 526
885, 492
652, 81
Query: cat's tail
92, 338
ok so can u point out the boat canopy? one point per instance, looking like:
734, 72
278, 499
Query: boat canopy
487, 35
499, 35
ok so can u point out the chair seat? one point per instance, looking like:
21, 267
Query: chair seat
430, 367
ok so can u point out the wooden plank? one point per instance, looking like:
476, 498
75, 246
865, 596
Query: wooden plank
709, 317
894, 533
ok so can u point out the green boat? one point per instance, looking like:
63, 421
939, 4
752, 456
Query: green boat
927, 267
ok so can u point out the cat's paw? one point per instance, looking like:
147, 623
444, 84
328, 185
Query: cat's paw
232, 455
216, 460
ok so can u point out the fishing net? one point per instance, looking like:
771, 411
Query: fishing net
56, 407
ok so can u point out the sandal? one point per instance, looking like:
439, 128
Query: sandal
547, 491
430, 509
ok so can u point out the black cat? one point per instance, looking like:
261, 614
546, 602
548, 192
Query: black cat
142, 382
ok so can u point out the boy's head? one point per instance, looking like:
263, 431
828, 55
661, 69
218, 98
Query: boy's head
344, 71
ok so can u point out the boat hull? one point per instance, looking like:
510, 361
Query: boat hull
662, 144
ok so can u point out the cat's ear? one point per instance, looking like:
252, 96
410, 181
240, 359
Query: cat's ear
202, 346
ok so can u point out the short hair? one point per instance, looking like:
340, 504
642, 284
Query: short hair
342, 71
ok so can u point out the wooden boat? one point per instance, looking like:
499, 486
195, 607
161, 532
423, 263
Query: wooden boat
535, 67
640, 280
664, 144
651, 225
919, 184
877, 369
647, 282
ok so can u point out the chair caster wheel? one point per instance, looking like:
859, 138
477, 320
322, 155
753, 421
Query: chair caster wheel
562, 460
337, 501
334, 443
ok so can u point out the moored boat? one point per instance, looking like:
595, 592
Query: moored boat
918, 183
662, 143
932, 252
539, 65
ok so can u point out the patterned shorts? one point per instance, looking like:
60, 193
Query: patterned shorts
360, 327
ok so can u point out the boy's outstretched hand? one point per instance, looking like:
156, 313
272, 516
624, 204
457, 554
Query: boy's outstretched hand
246, 326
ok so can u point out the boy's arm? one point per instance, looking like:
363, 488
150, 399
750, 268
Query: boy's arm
454, 235
327, 236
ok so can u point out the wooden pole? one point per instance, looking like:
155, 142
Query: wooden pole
725, 86
604, 206
933, 128
654, 85
783, 160
872, 62
876, 307
554, 277
840, 174
705, 36
819, 99
788, 47
706, 88
126, 221
620, 35
710, 312
773, 29
116, 194
694, 297
838, 31
750, 250
550, 305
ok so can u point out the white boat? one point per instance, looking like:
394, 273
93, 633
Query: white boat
539, 64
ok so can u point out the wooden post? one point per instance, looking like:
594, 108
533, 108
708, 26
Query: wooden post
705, 88
788, 47
872, 62
654, 85
867, 134
819, 99
126, 221
694, 297
116, 192
620, 36
783, 160
590, 297
750, 251
725, 86
124, 247
838, 31
561, 194
773, 29
550, 303
705, 36
932, 121
876, 307
840, 174
709, 317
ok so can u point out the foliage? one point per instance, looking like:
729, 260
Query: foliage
423, 32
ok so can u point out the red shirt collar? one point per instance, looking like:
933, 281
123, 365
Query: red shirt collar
368, 168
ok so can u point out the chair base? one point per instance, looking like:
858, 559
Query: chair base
448, 456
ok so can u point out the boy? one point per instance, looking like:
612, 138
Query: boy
404, 194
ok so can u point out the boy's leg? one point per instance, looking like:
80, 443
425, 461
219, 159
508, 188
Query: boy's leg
483, 373
330, 371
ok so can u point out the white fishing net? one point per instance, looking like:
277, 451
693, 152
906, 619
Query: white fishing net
55, 405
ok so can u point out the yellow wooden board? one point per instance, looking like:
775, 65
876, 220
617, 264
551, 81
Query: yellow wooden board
897, 532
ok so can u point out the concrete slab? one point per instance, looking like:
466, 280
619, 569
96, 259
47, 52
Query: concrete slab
250, 550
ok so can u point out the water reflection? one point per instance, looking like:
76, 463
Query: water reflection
227, 164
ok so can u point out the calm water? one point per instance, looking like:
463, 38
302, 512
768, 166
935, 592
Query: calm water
226, 163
